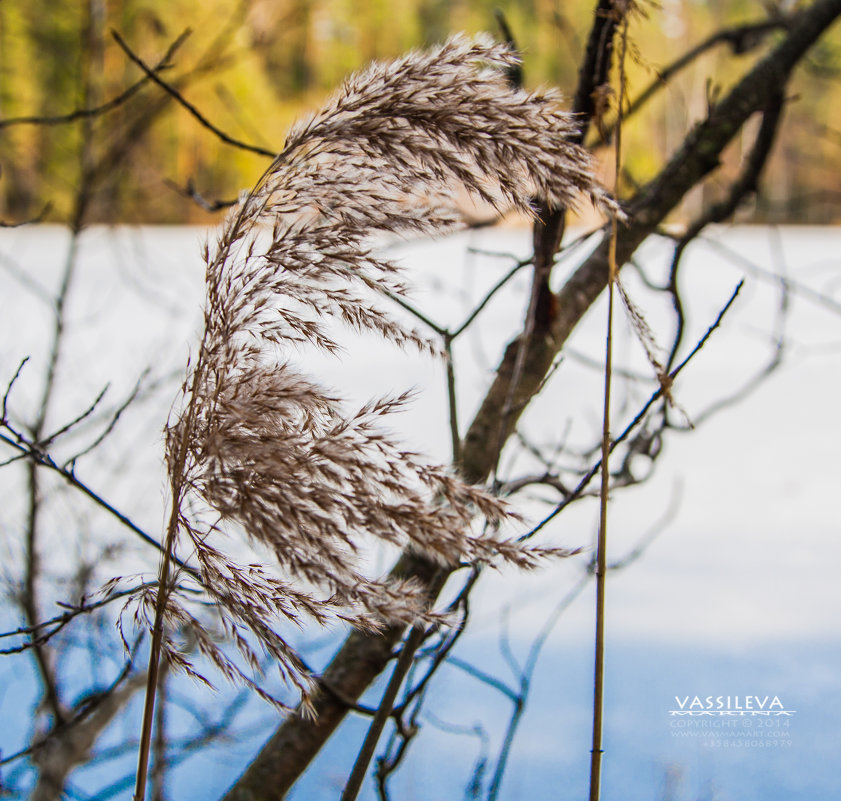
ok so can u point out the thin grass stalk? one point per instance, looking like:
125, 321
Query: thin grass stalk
159, 743
152, 674
601, 546
375, 730
144, 749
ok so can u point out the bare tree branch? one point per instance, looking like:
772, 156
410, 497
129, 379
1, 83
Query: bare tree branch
740, 38
109, 105
31, 451
174, 93
57, 623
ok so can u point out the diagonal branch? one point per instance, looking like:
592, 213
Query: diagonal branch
108, 105
31, 451
745, 184
173, 92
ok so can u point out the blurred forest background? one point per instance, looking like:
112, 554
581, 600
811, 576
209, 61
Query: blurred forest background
252, 67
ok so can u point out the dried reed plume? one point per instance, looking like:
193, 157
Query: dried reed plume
261, 447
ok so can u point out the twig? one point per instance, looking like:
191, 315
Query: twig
103, 108
190, 191
547, 479
115, 418
366, 753
746, 183
50, 438
637, 419
173, 92
505, 643
36, 219
23, 277
775, 360
483, 676
29, 450
9, 387
489, 295
415, 312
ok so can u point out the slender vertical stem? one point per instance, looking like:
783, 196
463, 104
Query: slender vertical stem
601, 560
366, 753
155, 657
159, 761
601, 547
177, 478
451, 400
30, 597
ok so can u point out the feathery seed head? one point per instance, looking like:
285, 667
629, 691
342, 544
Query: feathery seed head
264, 447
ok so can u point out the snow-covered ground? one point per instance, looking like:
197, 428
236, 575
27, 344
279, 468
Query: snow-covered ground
736, 595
